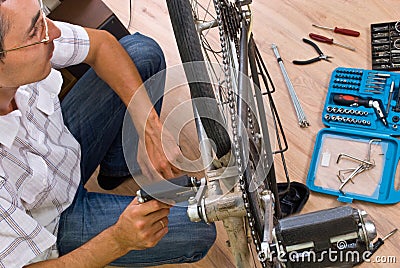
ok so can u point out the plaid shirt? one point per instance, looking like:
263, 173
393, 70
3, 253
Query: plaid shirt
39, 161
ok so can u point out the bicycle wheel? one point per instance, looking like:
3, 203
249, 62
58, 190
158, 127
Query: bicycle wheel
192, 45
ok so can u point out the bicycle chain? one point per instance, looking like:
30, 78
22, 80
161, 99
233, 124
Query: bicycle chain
221, 17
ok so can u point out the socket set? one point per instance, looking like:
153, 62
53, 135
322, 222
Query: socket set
363, 99
385, 46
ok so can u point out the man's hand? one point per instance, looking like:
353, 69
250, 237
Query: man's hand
142, 226
158, 155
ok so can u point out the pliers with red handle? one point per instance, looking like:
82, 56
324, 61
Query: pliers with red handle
321, 56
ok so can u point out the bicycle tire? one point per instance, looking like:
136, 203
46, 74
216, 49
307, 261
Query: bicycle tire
190, 50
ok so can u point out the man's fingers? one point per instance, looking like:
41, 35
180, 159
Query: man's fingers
160, 228
160, 223
135, 201
160, 233
176, 171
151, 206
167, 173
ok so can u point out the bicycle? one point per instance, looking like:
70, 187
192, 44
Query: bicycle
242, 189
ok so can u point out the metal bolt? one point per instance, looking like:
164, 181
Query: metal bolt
363, 213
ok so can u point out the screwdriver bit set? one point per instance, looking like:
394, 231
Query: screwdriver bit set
356, 156
385, 46
363, 99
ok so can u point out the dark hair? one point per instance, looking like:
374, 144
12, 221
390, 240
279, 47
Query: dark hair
4, 27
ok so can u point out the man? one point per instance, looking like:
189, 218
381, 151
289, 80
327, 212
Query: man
47, 218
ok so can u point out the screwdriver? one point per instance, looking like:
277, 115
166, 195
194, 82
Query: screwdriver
390, 97
340, 30
381, 241
351, 100
328, 41
377, 245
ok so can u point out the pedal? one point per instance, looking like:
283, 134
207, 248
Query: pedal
327, 238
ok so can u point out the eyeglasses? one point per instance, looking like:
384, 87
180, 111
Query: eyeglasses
44, 40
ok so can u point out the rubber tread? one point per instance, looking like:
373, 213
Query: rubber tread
189, 46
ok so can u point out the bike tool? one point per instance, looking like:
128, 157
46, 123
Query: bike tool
351, 100
321, 56
330, 41
390, 97
339, 30
301, 116
379, 243
178, 189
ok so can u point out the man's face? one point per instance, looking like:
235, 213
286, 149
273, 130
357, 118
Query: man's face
26, 26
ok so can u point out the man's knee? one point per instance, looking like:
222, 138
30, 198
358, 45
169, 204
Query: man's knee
203, 242
145, 53
194, 240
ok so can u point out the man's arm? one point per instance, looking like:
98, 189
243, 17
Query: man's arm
137, 228
113, 64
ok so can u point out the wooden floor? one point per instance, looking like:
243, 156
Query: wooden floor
285, 23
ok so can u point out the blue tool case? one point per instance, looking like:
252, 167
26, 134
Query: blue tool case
357, 155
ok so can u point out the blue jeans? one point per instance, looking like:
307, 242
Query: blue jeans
94, 115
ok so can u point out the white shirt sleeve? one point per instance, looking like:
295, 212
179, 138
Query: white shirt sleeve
22, 238
72, 47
